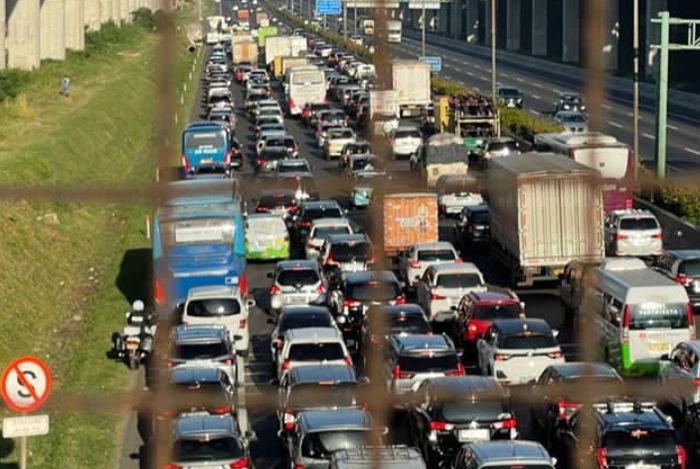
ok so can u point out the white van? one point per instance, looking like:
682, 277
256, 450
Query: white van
641, 315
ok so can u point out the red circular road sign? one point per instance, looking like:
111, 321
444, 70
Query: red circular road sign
25, 384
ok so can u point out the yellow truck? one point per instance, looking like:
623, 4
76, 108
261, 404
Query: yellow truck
281, 64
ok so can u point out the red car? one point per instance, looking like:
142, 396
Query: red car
477, 310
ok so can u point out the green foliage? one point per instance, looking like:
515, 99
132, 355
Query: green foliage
525, 125
442, 86
683, 201
11, 82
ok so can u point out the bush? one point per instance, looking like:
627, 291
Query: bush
11, 83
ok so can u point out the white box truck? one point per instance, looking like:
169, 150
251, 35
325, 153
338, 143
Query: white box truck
411, 81
545, 212
284, 46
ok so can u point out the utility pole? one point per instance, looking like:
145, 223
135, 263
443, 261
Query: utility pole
422, 39
345, 19
354, 12
635, 84
493, 51
199, 9
662, 98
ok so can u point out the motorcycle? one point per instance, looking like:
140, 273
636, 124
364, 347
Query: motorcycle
135, 344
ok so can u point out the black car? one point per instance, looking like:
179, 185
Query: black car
683, 266
406, 318
345, 253
569, 102
555, 409
510, 96
276, 201
358, 291
297, 317
451, 411
310, 211
627, 434
473, 225
359, 147
267, 159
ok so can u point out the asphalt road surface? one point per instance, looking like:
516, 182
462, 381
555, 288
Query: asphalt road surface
267, 450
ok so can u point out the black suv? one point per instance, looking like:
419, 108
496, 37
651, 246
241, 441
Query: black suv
627, 434
400, 319
310, 211
473, 225
449, 412
683, 266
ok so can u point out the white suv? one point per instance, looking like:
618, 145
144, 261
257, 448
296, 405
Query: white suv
633, 233
405, 141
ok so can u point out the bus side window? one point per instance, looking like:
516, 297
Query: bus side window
613, 309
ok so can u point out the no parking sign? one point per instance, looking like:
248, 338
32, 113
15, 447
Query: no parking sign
25, 384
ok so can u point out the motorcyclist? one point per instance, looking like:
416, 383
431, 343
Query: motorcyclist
139, 322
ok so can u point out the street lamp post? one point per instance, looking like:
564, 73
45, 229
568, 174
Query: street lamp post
635, 93
493, 51
422, 38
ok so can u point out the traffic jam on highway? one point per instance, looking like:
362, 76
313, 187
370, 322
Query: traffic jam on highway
321, 223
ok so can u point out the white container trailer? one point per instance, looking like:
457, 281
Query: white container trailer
545, 212
411, 81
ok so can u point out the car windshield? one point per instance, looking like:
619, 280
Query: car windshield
642, 223
298, 321
638, 441
690, 268
324, 231
509, 93
316, 352
207, 449
321, 445
528, 341
293, 167
213, 307
575, 118
490, 312
425, 362
658, 316
374, 291
352, 251
436, 255
480, 218
200, 351
273, 154
323, 395
408, 323
476, 408
338, 134
297, 277
279, 142
316, 213
458, 280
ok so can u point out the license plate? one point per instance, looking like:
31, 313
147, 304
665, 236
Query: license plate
556, 272
642, 466
658, 347
206, 161
474, 435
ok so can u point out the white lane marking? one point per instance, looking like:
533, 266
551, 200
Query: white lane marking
649, 136
615, 124
476, 88
505, 75
557, 91
535, 96
519, 80
674, 168
670, 126
690, 150
606, 106
535, 112
538, 85
470, 74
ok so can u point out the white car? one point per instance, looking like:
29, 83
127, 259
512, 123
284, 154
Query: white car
220, 305
335, 140
443, 286
421, 256
312, 346
572, 121
516, 351
320, 229
405, 141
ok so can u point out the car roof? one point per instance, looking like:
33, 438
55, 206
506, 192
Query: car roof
194, 374
326, 420
515, 326
302, 310
455, 267
505, 450
492, 297
628, 419
197, 425
419, 342
684, 254
438, 245
407, 127
477, 208
370, 275
464, 386
197, 293
297, 264
581, 369
319, 373
405, 309
330, 222
313, 334
199, 333
320, 204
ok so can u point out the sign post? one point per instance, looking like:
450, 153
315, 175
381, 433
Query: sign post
25, 385
433, 61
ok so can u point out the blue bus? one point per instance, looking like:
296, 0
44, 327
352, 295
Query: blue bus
197, 240
206, 148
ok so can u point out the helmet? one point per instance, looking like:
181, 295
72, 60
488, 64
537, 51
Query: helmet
137, 306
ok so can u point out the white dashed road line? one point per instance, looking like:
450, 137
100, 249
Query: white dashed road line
615, 124
671, 126
606, 106
690, 150
649, 136
538, 85
535, 112
519, 80
536, 96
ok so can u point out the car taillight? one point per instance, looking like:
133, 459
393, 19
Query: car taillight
259, 162
441, 426
227, 362
567, 409
350, 303
291, 103
628, 204
347, 360
243, 285
285, 364
435, 296
298, 466
458, 372
681, 456
274, 290
626, 318
172, 466
601, 458
220, 410
682, 279
305, 224
321, 288
501, 357
227, 158
260, 209
242, 463
374, 339
399, 300
330, 261
472, 328
288, 420
620, 237
555, 355
656, 236
691, 320
396, 373
509, 423
185, 163
277, 344
158, 293
242, 323
414, 264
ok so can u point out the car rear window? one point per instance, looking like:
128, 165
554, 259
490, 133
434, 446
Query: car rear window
213, 307
298, 321
316, 352
530, 341
324, 231
273, 201
409, 323
690, 268
294, 277
490, 312
352, 251
458, 280
436, 255
639, 441
373, 291
425, 363
320, 445
657, 315
469, 410
206, 449
200, 351
323, 395
642, 223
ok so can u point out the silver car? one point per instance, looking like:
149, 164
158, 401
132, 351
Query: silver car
574, 122
203, 345
633, 233
388, 457
298, 282
681, 369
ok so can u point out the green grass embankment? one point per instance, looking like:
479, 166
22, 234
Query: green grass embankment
69, 270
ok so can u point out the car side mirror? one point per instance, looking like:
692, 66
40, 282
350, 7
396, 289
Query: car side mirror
453, 308
665, 357
417, 277
270, 275
250, 303
271, 321
250, 435
555, 333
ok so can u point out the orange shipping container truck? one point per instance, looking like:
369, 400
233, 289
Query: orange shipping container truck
409, 218
243, 14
